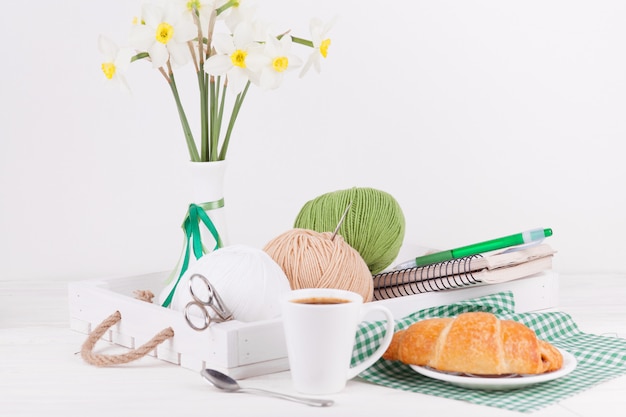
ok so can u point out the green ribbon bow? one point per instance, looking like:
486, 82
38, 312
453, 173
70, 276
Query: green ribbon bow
193, 239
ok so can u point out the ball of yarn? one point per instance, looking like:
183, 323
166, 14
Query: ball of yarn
247, 280
374, 225
312, 259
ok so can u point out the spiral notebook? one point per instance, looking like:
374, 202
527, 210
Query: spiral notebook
486, 268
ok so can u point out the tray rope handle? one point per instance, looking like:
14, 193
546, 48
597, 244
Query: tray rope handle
102, 360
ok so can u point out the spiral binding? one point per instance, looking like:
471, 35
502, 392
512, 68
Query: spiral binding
446, 275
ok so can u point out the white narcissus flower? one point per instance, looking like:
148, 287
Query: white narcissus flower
321, 43
273, 61
231, 57
240, 11
115, 62
205, 9
164, 33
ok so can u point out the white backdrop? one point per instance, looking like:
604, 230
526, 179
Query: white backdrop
482, 118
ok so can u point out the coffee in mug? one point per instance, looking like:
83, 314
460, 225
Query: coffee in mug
320, 300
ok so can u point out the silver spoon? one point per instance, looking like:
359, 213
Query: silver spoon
226, 383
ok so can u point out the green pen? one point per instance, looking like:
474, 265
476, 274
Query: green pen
529, 236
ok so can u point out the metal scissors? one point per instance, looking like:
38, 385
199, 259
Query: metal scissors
212, 300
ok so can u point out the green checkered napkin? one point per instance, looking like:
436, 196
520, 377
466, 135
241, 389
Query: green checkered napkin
600, 358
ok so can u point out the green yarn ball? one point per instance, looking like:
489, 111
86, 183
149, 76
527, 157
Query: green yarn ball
374, 225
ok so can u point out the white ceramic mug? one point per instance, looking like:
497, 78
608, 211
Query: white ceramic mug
320, 327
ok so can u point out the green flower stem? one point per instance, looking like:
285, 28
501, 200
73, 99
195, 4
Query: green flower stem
202, 86
214, 138
233, 117
228, 5
220, 113
204, 138
191, 144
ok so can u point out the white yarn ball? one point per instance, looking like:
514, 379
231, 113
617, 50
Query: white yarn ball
249, 282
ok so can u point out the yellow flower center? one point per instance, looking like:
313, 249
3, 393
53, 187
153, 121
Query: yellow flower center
238, 58
193, 5
109, 69
280, 64
324, 47
164, 32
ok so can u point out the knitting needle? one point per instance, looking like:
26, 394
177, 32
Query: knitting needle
343, 217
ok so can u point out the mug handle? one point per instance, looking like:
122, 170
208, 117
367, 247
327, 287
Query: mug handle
390, 328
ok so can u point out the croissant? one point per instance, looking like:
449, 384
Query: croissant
474, 343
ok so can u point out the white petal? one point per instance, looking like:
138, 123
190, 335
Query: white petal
242, 37
307, 64
244, 12
218, 65
223, 43
294, 61
179, 52
237, 79
122, 60
173, 11
286, 44
141, 37
257, 60
316, 63
273, 45
254, 77
122, 83
185, 31
316, 28
329, 25
158, 54
107, 47
152, 15
270, 79
261, 30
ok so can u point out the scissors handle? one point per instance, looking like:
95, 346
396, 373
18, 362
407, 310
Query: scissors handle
213, 301
205, 315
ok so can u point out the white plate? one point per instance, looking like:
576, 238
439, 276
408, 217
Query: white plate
500, 383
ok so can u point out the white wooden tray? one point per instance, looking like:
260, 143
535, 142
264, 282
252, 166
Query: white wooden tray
240, 349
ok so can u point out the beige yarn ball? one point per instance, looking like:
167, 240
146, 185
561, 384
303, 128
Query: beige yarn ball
312, 259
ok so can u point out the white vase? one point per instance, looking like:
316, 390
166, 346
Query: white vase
207, 181
205, 225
